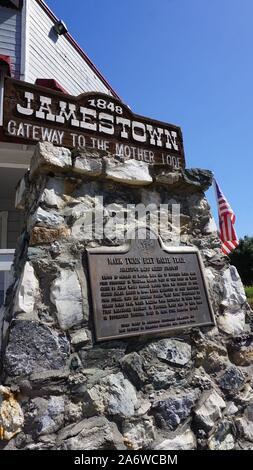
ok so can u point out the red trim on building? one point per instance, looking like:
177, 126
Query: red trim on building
5, 59
78, 48
50, 83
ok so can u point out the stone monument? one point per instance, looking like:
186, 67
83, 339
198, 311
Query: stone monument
118, 341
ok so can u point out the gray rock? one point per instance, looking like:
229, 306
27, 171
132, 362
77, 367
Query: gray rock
245, 396
138, 433
73, 412
41, 445
168, 178
44, 416
185, 440
80, 209
36, 253
44, 218
144, 406
34, 347
146, 368
130, 171
222, 438
173, 351
198, 177
232, 323
210, 276
79, 338
244, 423
47, 382
81, 219
201, 380
88, 164
114, 395
249, 411
77, 385
231, 409
27, 292
198, 208
66, 295
52, 195
240, 350
55, 249
209, 409
243, 445
133, 366
233, 291
104, 356
232, 380
210, 227
245, 428
47, 156
210, 355
161, 377
95, 433
20, 441
171, 409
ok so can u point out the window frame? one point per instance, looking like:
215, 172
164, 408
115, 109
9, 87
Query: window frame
4, 230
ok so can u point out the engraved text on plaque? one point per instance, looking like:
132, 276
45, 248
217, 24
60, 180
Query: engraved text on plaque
147, 288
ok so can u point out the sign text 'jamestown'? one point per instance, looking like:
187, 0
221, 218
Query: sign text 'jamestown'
91, 120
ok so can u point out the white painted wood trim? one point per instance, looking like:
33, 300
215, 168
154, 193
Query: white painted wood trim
1, 96
3, 234
6, 260
25, 29
14, 165
5, 265
6, 251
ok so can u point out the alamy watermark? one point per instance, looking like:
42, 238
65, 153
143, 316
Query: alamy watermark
126, 222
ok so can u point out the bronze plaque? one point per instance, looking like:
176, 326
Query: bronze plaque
146, 288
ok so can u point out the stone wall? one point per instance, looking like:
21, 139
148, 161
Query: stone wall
62, 390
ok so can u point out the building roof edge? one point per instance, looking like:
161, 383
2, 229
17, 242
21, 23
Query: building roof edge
73, 42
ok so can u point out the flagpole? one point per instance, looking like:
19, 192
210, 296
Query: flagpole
215, 191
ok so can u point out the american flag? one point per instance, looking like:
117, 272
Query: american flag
228, 235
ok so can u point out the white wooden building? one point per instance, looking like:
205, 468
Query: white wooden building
33, 51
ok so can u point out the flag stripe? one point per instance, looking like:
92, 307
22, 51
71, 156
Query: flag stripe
226, 222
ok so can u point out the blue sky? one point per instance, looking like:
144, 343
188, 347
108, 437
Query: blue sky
187, 62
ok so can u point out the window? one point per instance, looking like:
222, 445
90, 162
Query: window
3, 229
6, 258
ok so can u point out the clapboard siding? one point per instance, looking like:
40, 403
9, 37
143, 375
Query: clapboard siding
10, 37
41, 71
52, 56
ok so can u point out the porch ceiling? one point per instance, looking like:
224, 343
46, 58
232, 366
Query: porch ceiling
9, 177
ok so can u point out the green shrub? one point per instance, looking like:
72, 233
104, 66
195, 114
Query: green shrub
249, 294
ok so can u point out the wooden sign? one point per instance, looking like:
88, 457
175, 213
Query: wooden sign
91, 120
